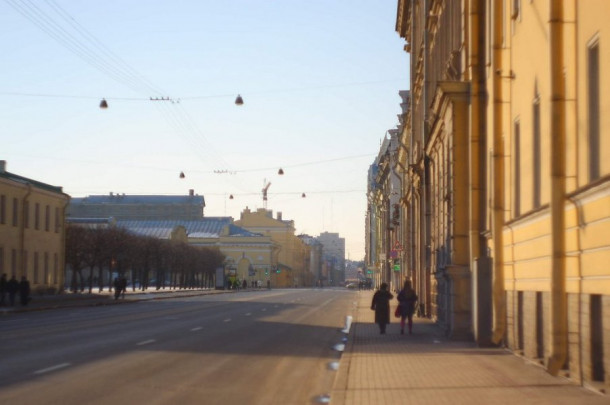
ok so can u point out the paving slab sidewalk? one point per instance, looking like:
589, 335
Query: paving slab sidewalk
427, 368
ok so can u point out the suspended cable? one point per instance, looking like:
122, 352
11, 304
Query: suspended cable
42, 20
108, 52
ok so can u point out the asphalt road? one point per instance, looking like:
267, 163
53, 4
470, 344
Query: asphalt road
263, 347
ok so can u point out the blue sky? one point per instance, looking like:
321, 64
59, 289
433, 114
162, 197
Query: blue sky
320, 82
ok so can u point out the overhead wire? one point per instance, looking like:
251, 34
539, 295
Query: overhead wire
105, 50
87, 47
44, 22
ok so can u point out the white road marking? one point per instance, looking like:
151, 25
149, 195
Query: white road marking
146, 342
227, 320
264, 309
248, 314
196, 329
52, 368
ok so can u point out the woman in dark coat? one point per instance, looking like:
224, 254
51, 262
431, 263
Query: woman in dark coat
406, 304
381, 306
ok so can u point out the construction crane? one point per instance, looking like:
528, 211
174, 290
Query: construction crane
265, 188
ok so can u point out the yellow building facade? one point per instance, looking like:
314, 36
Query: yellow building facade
247, 257
32, 231
293, 255
506, 159
551, 137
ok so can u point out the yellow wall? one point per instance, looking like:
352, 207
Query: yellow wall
292, 251
36, 252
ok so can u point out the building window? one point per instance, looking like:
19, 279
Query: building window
35, 267
14, 261
24, 260
47, 218
597, 338
517, 178
2, 209
56, 219
537, 155
26, 214
55, 267
46, 268
37, 216
15, 212
593, 112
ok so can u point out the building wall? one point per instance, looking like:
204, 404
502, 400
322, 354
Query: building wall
253, 258
134, 207
529, 230
538, 171
292, 253
32, 232
333, 252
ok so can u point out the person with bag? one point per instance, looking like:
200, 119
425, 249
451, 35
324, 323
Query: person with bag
381, 306
406, 306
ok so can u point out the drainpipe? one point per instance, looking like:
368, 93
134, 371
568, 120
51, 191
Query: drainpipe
402, 219
476, 168
498, 287
559, 319
425, 230
21, 258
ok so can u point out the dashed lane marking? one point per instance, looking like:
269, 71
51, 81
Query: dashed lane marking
196, 329
52, 368
145, 342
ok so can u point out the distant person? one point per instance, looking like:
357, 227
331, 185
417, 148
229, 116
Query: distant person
381, 306
117, 288
244, 284
3, 288
12, 287
406, 304
123, 286
24, 291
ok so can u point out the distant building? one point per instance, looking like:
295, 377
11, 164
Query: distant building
138, 207
292, 256
315, 260
333, 254
32, 231
249, 256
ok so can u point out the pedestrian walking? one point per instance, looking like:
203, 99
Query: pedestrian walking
24, 291
406, 306
12, 287
3, 288
381, 306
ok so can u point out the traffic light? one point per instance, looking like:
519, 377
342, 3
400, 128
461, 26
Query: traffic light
266, 272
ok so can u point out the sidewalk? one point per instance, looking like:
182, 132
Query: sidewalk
427, 368
44, 302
